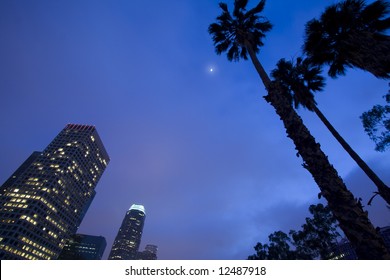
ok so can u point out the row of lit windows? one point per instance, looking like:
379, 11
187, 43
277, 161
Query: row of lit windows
35, 252
45, 202
38, 184
20, 203
28, 219
33, 179
18, 200
84, 248
52, 234
17, 252
34, 244
16, 205
16, 195
7, 221
55, 223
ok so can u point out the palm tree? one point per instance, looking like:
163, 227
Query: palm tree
351, 34
240, 34
301, 80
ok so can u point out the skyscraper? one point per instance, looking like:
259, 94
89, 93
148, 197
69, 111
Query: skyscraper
128, 239
83, 247
43, 203
150, 253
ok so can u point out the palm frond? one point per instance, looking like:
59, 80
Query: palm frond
258, 9
239, 7
351, 34
374, 16
224, 7
233, 53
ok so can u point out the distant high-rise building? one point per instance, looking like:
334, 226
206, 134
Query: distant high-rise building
345, 251
150, 253
43, 203
385, 233
151, 248
83, 247
128, 239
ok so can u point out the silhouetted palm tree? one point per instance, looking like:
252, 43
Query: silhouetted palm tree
301, 80
351, 34
240, 34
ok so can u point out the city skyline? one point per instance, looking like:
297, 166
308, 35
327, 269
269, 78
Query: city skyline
201, 150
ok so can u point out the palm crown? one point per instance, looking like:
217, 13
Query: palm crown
238, 31
299, 80
351, 34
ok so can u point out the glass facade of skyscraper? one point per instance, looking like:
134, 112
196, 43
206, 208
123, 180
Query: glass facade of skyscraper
45, 200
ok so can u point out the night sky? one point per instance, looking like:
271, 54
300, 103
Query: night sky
201, 150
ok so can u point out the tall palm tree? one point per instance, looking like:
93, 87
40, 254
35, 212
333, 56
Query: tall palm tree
240, 34
301, 80
351, 34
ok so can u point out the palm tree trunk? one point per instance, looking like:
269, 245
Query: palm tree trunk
350, 215
383, 189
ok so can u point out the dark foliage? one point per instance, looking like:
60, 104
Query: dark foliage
314, 241
351, 34
376, 123
232, 34
300, 80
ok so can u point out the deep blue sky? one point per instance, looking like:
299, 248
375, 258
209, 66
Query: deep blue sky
203, 152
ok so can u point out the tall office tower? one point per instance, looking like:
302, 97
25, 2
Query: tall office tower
128, 239
83, 247
43, 203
